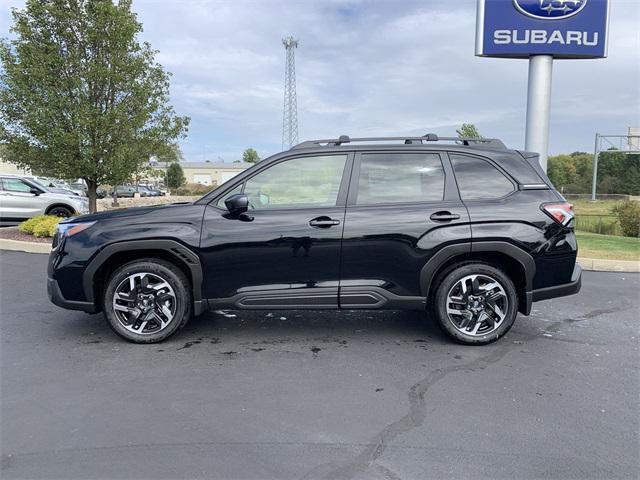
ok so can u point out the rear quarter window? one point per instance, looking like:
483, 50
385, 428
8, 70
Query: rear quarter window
478, 179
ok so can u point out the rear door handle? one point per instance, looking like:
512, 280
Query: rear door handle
444, 216
323, 222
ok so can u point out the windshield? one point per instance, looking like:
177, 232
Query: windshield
36, 183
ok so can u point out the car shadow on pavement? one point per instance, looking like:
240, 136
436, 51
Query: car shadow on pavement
275, 326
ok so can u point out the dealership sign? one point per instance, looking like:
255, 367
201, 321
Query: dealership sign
562, 28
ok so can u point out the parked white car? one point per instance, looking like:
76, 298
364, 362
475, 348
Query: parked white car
21, 198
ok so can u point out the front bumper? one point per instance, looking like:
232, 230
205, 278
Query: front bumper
56, 297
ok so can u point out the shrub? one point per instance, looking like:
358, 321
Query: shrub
40, 226
628, 214
175, 176
193, 189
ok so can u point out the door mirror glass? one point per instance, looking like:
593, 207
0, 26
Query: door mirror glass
237, 203
35, 191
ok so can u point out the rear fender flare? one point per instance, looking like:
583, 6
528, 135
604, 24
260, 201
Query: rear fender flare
435, 263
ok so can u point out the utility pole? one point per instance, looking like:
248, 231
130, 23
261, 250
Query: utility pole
596, 153
290, 114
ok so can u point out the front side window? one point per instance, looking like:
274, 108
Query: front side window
478, 179
15, 185
400, 178
297, 183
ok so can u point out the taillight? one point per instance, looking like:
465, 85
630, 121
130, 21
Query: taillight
560, 212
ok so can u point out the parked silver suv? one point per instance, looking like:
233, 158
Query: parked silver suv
21, 198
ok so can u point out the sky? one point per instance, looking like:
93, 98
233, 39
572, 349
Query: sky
370, 68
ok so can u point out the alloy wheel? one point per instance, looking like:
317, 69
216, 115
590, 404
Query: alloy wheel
144, 303
477, 305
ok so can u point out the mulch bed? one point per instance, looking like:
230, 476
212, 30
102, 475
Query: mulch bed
12, 233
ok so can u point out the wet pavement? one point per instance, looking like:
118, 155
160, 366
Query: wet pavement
309, 395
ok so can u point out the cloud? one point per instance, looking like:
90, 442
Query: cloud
371, 68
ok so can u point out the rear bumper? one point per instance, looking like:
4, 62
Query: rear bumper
561, 290
555, 291
56, 297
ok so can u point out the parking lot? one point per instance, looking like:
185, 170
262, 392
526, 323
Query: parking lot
306, 395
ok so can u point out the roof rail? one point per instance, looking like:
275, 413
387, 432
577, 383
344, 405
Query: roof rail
429, 137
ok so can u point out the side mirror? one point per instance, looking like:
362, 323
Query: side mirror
34, 191
237, 204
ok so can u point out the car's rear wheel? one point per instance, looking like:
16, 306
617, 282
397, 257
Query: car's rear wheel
475, 303
148, 300
60, 211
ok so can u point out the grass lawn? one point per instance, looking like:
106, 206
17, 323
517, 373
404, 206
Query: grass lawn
599, 207
609, 247
596, 217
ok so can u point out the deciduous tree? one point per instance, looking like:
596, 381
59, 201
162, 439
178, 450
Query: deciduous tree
175, 176
468, 130
250, 156
80, 95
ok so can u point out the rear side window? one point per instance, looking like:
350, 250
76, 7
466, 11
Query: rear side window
399, 178
478, 179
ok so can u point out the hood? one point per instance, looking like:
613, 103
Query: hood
64, 196
135, 214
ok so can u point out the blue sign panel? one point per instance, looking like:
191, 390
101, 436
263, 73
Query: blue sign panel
562, 28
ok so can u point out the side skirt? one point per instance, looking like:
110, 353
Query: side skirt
367, 298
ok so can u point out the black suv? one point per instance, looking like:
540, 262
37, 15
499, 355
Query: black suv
463, 228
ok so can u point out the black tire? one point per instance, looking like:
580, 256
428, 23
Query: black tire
60, 211
159, 269
448, 282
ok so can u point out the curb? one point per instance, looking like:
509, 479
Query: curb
587, 264
601, 265
20, 246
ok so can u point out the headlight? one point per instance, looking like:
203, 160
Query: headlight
70, 229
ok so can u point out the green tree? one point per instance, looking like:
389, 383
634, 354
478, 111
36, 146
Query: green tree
250, 156
561, 170
170, 153
468, 130
175, 176
618, 172
80, 96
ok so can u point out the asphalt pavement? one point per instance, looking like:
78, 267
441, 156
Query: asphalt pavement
310, 395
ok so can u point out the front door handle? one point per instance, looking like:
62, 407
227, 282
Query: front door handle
323, 222
444, 216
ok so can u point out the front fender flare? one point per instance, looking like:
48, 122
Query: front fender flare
172, 247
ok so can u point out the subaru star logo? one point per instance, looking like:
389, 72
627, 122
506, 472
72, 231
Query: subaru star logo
549, 9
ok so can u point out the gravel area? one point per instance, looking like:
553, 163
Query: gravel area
106, 203
12, 233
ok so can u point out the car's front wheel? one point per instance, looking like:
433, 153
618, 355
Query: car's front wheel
60, 211
475, 303
147, 300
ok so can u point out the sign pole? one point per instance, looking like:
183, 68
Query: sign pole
596, 152
539, 106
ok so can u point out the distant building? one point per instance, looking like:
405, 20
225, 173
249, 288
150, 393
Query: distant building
204, 173
634, 138
6, 167
209, 173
